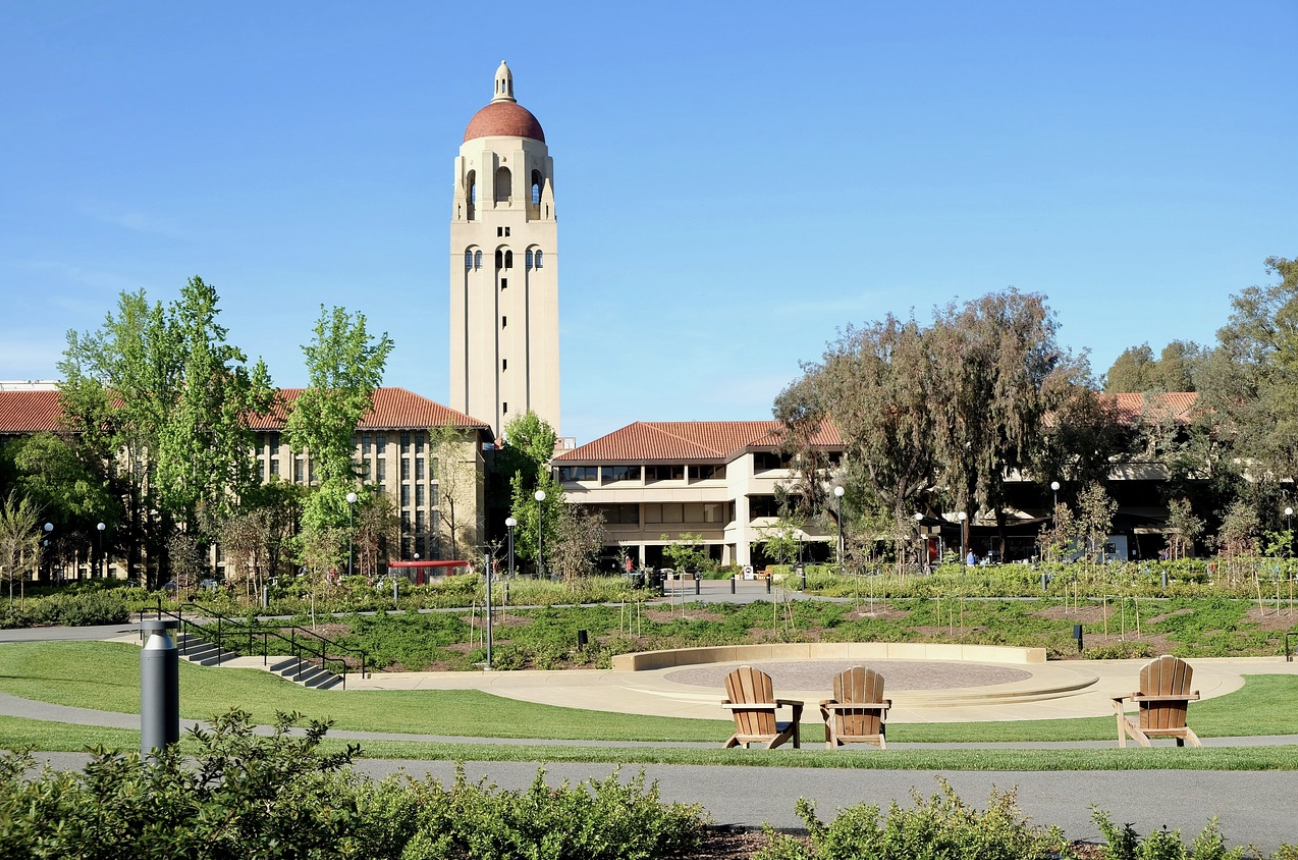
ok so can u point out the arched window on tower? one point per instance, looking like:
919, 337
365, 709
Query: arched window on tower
509, 259
536, 187
468, 260
503, 180
471, 192
477, 259
528, 260
539, 261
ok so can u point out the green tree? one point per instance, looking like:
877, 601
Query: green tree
256, 537
20, 539
1134, 371
456, 458
344, 366
579, 538
781, 541
158, 391
870, 385
524, 461
1184, 528
686, 552
1095, 510
1249, 382
997, 373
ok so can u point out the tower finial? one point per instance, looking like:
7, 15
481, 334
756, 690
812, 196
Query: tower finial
504, 84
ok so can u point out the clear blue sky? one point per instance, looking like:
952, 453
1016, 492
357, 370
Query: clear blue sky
735, 182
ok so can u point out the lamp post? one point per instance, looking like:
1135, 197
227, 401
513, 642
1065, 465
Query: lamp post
540, 534
921, 545
838, 494
351, 502
964, 535
100, 528
1054, 488
510, 522
49, 527
1288, 526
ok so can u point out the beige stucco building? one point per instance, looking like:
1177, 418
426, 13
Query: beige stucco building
504, 267
655, 481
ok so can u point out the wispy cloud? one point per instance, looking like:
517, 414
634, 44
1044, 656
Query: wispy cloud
135, 221
86, 277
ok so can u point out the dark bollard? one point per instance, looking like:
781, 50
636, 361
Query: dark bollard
698, 583
159, 687
583, 639
1077, 634
506, 603
768, 583
732, 583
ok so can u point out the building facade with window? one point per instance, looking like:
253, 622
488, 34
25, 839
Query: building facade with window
504, 273
655, 481
427, 457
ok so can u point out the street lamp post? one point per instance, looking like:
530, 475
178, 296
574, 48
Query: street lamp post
838, 494
922, 545
964, 535
1288, 526
351, 502
1054, 488
100, 527
49, 527
540, 534
510, 522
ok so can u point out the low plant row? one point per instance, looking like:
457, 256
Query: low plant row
74, 609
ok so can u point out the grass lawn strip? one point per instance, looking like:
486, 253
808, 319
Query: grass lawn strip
20, 733
105, 676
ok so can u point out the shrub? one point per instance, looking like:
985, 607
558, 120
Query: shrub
936, 828
248, 795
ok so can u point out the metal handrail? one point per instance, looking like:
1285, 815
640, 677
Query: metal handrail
297, 648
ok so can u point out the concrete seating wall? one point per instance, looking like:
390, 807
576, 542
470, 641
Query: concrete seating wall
826, 651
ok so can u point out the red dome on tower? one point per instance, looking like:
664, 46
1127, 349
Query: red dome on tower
504, 119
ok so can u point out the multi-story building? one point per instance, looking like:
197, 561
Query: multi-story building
655, 481
504, 281
427, 457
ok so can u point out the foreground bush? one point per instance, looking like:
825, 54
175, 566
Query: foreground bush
244, 795
936, 828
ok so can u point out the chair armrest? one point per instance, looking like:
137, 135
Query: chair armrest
1188, 697
855, 706
792, 703
750, 706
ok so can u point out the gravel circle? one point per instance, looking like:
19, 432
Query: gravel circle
898, 674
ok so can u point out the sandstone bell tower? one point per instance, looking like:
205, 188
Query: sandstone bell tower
504, 267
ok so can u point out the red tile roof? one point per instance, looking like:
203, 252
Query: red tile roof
1178, 406
30, 412
685, 442
24, 412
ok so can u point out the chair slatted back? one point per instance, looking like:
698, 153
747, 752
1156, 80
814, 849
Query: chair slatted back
858, 684
1165, 676
747, 685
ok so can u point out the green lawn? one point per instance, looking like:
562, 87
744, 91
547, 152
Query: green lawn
105, 676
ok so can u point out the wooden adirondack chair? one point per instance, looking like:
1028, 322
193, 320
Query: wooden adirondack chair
858, 712
753, 704
1163, 697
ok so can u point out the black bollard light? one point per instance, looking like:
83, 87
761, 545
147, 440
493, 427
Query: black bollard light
159, 687
698, 583
1077, 634
732, 582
